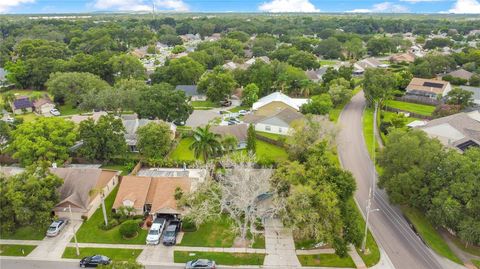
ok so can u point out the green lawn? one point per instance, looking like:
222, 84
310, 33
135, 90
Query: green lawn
326, 260
259, 241
476, 263
238, 108
16, 250
305, 244
429, 234
220, 258
204, 104
118, 167
218, 233
182, 151
270, 152
425, 110
272, 136
26, 233
90, 232
116, 254
66, 110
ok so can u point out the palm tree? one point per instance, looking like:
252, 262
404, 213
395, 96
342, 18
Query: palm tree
206, 143
229, 143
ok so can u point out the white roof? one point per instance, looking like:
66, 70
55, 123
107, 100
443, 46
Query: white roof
295, 103
444, 132
416, 123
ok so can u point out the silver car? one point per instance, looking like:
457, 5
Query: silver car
200, 263
56, 227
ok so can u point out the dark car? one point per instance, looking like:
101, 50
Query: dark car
200, 263
94, 261
170, 234
226, 103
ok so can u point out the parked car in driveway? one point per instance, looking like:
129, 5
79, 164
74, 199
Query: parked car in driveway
200, 263
94, 261
155, 232
243, 112
170, 235
226, 103
54, 112
56, 227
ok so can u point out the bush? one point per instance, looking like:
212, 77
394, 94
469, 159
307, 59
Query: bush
188, 225
111, 224
129, 229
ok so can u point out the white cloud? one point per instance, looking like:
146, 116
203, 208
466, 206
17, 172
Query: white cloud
466, 6
140, 5
288, 6
381, 8
7, 5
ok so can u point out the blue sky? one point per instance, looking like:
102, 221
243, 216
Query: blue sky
377, 6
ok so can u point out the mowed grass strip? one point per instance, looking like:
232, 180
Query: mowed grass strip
326, 260
26, 233
425, 110
116, 254
429, 234
220, 258
216, 233
90, 232
16, 250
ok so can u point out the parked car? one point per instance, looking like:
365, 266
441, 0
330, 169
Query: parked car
200, 263
56, 227
243, 112
54, 112
10, 120
170, 235
226, 103
179, 123
155, 232
94, 261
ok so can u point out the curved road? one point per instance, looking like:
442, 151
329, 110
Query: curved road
392, 232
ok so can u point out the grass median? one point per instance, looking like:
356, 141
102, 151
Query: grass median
16, 250
221, 258
116, 254
326, 260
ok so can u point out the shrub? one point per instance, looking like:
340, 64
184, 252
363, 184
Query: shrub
129, 228
111, 223
178, 193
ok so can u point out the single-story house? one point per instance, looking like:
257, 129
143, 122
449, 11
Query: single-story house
191, 91
280, 98
132, 123
272, 120
428, 87
81, 189
43, 105
316, 75
362, 65
460, 131
239, 131
402, 58
461, 73
476, 93
253, 60
152, 195
21, 104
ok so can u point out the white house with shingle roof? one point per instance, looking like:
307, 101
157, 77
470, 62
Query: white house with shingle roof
295, 103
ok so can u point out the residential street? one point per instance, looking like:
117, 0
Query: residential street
392, 232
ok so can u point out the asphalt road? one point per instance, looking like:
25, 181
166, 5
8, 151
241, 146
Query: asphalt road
404, 248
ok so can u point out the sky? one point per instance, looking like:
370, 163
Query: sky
374, 6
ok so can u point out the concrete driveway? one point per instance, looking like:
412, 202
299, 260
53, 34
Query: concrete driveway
53, 247
202, 117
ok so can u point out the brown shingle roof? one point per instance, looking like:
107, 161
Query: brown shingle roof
428, 85
133, 188
238, 130
461, 73
40, 102
287, 115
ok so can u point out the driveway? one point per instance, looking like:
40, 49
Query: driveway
279, 246
202, 117
53, 247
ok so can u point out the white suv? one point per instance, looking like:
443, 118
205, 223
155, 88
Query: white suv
155, 232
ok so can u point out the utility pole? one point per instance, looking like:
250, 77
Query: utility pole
368, 210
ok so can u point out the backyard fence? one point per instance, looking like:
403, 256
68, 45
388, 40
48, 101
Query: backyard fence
418, 100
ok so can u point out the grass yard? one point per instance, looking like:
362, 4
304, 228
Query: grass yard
270, 152
220, 258
182, 151
116, 254
476, 263
26, 233
272, 136
305, 244
429, 234
259, 242
217, 233
326, 260
67, 110
238, 108
90, 232
118, 167
425, 110
16, 250
203, 104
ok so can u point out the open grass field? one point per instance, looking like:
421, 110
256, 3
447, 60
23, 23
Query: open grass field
429, 234
425, 110
220, 258
16, 250
326, 260
217, 233
90, 232
116, 254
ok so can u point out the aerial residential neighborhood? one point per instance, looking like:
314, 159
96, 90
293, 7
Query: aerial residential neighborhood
256, 134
